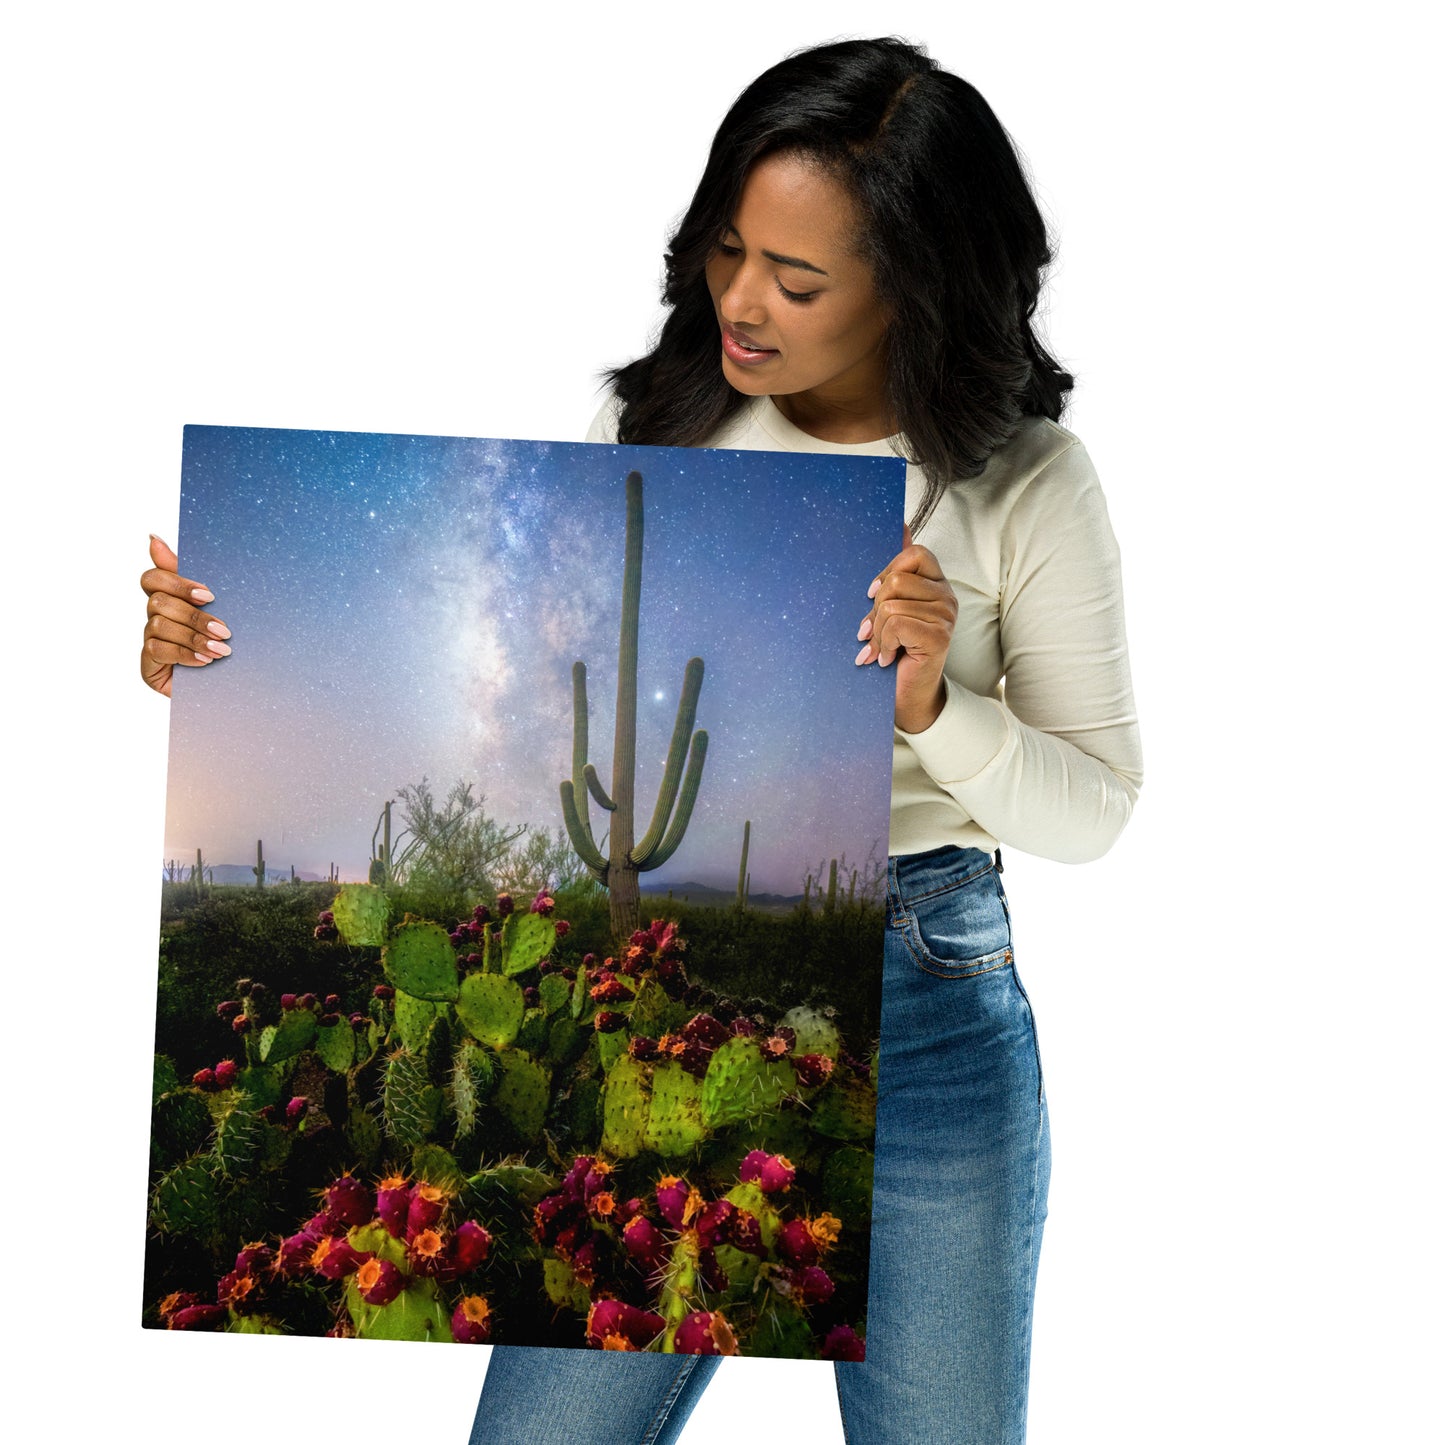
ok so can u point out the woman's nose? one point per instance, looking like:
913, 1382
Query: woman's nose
741, 303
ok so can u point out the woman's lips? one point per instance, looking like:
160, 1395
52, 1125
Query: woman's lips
740, 349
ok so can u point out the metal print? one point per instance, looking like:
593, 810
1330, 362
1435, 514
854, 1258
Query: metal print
522, 917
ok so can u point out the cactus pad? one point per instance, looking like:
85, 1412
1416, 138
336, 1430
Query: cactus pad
844, 1107
180, 1125
522, 1092
336, 1044
411, 1103
184, 1199
816, 1032
285, 1040
361, 911
848, 1184
261, 1084
238, 1140
435, 1165
674, 1117
555, 992
473, 1076
625, 1098
741, 1084
526, 938
419, 958
491, 1007
414, 1017
415, 1314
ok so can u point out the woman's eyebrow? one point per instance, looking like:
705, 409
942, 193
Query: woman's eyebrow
793, 261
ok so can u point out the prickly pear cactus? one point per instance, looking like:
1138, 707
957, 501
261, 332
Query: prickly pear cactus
184, 1198
411, 1103
336, 1045
674, 1116
419, 958
844, 1108
491, 1007
473, 1077
526, 938
414, 1018
816, 1032
625, 1099
522, 1092
180, 1124
741, 1084
240, 1137
361, 911
285, 1040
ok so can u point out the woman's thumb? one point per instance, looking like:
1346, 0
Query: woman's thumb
162, 555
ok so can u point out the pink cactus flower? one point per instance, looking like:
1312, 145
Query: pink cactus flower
472, 1321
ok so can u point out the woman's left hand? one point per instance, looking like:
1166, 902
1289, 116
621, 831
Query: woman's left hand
911, 622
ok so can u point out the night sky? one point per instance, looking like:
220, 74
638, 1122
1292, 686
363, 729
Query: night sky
407, 606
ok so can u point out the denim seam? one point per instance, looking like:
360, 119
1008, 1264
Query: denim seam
1023, 1350
665, 1409
946, 888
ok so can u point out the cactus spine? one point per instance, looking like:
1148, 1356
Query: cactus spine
627, 859
743, 879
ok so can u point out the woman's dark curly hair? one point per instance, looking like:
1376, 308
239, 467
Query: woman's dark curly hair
950, 228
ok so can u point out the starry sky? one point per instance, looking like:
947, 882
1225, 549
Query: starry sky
404, 606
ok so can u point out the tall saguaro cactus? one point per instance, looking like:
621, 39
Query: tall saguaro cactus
619, 871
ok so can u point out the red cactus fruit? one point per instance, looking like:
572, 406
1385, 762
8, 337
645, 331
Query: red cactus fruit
674, 1196
198, 1317
574, 1181
812, 1069
326, 916
257, 991
706, 1030
333, 1258
358, 1022
710, 1273
531, 995
641, 938
543, 903
745, 1232
694, 1058
642, 1047
607, 1022
611, 990
627, 1210
482, 913
796, 1243
742, 1026
563, 928
288, 1002
548, 1216
379, 1281
712, 1223
307, 1000
227, 1007
204, 1078
504, 904
428, 1203
812, 1285
472, 1321
241, 1024
843, 1343
393, 1200
254, 1259
177, 1300
233, 1289
705, 1332
326, 1020
643, 1240
225, 1073
597, 1178
470, 1244
383, 991
585, 1259
613, 1324
296, 1108
426, 1251
773, 1173
293, 1258
349, 1201
333, 1003
458, 937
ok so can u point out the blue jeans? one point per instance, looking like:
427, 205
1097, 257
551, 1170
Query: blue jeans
960, 1184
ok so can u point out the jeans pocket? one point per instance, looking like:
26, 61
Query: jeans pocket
961, 929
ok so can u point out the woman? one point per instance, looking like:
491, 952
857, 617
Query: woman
857, 273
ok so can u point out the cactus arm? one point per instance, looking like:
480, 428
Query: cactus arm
581, 835
696, 757
676, 752
594, 786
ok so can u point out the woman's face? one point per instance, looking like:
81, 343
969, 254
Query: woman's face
796, 305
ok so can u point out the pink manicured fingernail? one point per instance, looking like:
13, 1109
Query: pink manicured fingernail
201, 595
866, 630
203, 657
218, 628
877, 583
219, 648
863, 655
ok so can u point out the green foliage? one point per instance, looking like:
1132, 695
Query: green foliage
286, 1039
460, 847
414, 1018
740, 1083
526, 938
522, 1092
336, 1045
419, 958
411, 1103
361, 911
491, 1007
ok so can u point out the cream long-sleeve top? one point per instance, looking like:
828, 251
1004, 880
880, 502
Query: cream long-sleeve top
1037, 746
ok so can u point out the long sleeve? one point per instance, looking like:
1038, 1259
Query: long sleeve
1053, 764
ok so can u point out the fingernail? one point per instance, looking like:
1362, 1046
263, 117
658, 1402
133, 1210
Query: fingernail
203, 657
219, 648
866, 630
218, 628
877, 583
201, 595
862, 656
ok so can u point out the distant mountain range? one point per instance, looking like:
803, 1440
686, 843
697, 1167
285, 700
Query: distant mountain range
244, 873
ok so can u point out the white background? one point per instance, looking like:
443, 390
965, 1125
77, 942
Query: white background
445, 219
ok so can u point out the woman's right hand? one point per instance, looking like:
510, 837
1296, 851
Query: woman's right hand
176, 629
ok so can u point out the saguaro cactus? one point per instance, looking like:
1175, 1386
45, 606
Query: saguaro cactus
743, 879
380, 870
260, 869
626, 859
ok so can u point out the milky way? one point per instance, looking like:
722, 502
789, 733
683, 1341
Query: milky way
407, 606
